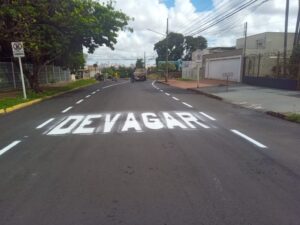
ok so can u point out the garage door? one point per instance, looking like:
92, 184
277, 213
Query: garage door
220, 68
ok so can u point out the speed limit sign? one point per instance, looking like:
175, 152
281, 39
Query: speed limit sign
18, 49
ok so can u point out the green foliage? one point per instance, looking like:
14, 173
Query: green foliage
57, 30
173, 44
9, 102
178, 47
124, 72
163, 66
139, 63
294, 117
192, 44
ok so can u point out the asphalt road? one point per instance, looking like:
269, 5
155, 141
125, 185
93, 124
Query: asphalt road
146, 153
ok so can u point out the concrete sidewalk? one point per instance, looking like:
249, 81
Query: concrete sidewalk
258, 98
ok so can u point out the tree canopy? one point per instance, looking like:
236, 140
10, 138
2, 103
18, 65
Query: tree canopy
139, 63
178, 46
57, 30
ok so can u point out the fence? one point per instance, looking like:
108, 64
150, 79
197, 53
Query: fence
267, 70
269, 64
10, 75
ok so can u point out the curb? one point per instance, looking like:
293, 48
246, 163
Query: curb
205, 93
280, 116
270, 113
195, 90
35, 101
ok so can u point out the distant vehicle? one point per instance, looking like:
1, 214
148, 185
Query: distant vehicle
140, 74
99, 77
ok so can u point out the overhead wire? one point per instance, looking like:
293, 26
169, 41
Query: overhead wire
219, 10
228, 15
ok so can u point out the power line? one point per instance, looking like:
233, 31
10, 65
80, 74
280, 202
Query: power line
226, 6
228, 15
193, 20
218, 7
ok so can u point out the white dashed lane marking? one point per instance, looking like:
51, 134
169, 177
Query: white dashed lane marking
161, 90
177, 99
8, 147
167, 94
45, 123
78, 102
188, 105
87, 96
93, 92
67, 109
208, 116
249, 139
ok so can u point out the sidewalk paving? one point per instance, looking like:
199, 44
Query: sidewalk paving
258, 98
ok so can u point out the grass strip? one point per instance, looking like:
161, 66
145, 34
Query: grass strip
49, 91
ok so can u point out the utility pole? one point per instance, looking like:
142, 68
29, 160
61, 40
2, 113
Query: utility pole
145, 60
285, 37
297, 31
167, 53
244, 50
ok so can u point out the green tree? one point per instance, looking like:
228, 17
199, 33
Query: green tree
139, 63
57, 30
173, 44
192, 44
178, 47
163, 67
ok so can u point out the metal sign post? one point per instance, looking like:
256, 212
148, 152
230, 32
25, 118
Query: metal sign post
18, 51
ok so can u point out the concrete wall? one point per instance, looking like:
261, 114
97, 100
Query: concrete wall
270, 42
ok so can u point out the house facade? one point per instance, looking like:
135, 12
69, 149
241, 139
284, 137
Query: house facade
264, 53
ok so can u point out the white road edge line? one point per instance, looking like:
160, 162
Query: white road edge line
249, 139
8, 147
115, 85
177, 99
208, 116
45, 123
78, 102
87, 96
187, 104
67, 109
167, 94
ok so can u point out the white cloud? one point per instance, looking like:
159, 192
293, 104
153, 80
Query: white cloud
152, 14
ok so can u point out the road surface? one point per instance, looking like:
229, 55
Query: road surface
145, 153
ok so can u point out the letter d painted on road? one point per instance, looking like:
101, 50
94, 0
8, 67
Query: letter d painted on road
66, 126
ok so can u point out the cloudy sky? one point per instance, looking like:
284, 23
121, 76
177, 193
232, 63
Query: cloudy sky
190, 17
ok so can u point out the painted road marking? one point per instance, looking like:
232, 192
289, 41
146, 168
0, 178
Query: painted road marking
249, 139
115, 85
177, 99
45, 123
8, 147
78, 102
161, 90
208, 116
127, 122
167, 94
98, 90
93, 92
87, 96
187, 105
67, 109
